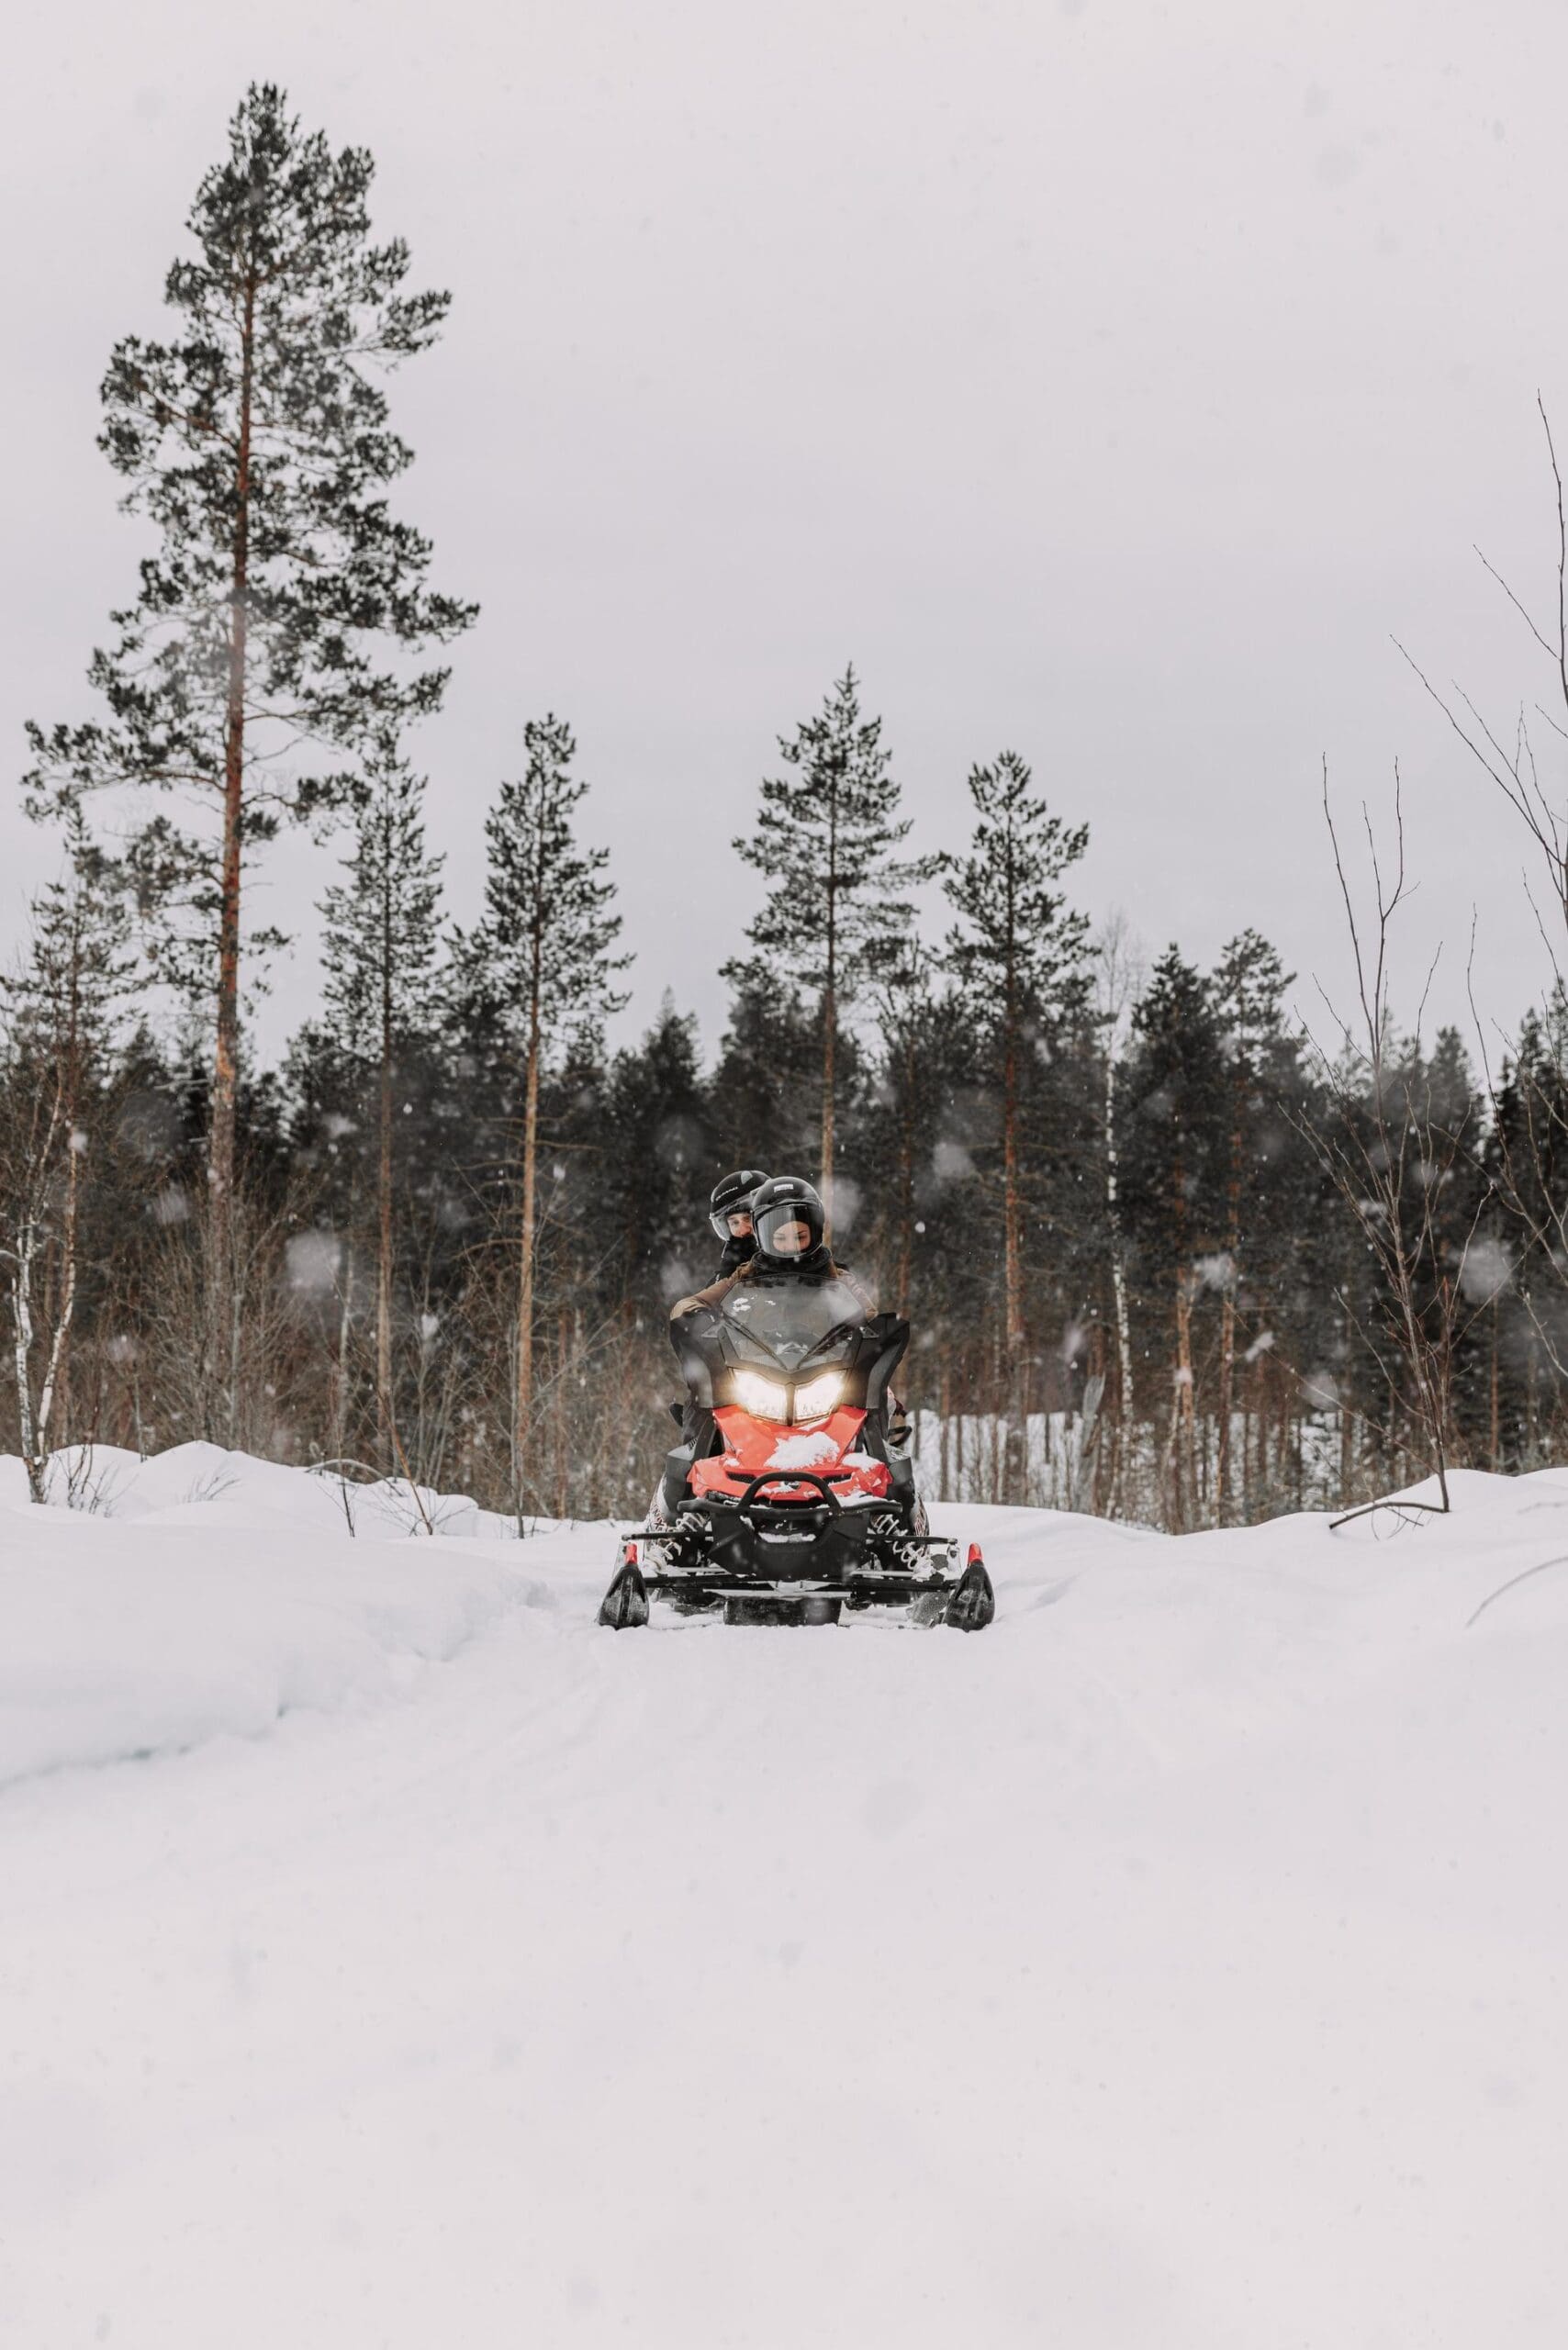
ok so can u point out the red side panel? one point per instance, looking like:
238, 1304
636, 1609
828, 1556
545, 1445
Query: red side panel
753, 1447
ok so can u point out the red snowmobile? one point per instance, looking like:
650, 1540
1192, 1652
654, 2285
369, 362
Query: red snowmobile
786, 1503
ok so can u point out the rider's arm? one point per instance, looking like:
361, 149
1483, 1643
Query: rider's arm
867, 1301
714, 1294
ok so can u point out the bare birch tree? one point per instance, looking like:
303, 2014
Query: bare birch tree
1390, 1159
59, 1010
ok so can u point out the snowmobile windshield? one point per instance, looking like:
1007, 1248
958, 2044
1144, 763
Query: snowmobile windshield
791, 1319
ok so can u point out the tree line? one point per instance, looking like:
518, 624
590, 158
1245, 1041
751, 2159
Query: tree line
1163, 1257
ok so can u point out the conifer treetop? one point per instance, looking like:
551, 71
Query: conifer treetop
547, 932
284, 598
1012, 917
381, 928
826, 838
66, 994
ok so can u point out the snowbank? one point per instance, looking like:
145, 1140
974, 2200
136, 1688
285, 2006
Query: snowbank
204, 1594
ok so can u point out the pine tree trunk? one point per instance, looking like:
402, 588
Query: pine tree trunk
1228, 1313
906, 1180
1013, 1255
563, 1352
830, 1029
1532, 1408
1285, 1449
1118, 1282
223, 1320
1187, 1463
1346, 1420
1011, 1212
340, 1368
1179, 1450
1012, 1216
523, 1428
384, 1413
830, 1004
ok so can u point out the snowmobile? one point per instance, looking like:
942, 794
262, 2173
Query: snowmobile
786, 1503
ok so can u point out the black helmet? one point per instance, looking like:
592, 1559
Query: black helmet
786, 1217
731, 1196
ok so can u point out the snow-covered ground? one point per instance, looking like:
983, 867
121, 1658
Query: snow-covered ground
390, 1958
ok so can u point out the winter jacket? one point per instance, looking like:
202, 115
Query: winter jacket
716, 1292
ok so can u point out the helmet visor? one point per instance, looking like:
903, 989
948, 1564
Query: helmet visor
789, 1228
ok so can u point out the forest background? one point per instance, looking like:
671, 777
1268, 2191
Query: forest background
1167, 1255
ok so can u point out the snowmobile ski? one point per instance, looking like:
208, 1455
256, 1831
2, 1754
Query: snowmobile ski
973, 1604
626, 1603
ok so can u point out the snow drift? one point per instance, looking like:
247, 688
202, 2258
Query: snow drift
203, 1594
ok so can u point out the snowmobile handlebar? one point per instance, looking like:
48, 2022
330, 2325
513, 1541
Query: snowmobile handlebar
792, 1477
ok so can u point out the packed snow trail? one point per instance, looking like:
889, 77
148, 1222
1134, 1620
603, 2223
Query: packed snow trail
1179, 1961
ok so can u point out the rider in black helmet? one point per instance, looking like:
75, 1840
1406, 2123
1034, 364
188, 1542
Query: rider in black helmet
788, 1219
729, 1213
788, 1224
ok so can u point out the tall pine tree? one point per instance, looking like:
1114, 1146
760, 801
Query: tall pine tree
541, 967
826, 838
1020, 956
252, 667
1177, 1098
381, 949
1248, 991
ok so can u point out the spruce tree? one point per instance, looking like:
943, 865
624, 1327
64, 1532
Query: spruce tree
1177, 1098
381, 949
253, 669
825, 839
1248, 990
539, 967
658, 1161
1020, 955
767, 1081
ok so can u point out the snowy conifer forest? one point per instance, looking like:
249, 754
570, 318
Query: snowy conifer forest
825, 697
1171, 1255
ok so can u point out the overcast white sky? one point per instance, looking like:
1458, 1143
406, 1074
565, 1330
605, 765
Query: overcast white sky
1107, 380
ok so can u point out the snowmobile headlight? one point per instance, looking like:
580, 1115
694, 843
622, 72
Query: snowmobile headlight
762, 1397
816, 1399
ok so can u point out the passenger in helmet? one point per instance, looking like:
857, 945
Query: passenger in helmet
788, 1226
729, 1213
